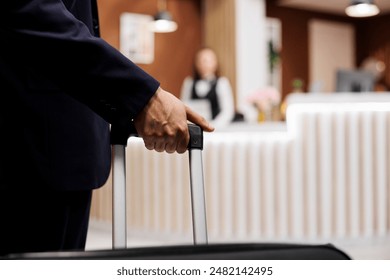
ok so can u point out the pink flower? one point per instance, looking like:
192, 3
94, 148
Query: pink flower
264, 98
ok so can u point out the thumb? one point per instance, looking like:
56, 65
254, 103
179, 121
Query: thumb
195, 118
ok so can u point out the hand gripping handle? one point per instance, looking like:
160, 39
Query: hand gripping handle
120, 133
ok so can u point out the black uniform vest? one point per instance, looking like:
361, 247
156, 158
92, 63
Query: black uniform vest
211, 96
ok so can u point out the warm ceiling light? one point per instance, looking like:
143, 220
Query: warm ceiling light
163, 22
362, 8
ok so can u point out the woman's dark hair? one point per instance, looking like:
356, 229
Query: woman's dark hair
196, 76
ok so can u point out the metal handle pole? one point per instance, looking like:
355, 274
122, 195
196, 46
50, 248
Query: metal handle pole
198, 197
119, 232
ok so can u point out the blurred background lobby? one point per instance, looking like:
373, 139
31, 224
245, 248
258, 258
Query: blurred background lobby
306, 154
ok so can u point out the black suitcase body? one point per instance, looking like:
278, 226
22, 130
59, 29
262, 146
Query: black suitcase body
227, 251
201, 250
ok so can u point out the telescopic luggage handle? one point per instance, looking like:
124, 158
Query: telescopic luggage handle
119, 138
120, 133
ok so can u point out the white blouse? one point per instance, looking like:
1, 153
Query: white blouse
224, 95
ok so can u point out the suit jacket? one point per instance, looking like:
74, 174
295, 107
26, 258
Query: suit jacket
61, 85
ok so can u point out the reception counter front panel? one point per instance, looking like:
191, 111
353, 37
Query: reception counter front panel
321, 176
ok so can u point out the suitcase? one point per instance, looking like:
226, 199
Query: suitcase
201, 249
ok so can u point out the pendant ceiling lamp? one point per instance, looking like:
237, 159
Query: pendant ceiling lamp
362, 8
163, 21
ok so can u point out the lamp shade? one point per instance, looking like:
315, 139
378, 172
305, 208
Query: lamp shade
163, 22
362, 8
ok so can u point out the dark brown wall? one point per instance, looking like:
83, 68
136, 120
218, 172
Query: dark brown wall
373, 39
295, 41
173, 51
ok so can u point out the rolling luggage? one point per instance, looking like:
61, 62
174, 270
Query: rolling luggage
201, 250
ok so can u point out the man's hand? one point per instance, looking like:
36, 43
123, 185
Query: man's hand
163, 123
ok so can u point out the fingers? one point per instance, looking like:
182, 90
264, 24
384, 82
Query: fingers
195, 118
163, 123
162, 144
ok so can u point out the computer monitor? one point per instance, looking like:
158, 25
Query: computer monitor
354, 81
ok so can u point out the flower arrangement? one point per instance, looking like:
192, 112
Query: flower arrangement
265, 98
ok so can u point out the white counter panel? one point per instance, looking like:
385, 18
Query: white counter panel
321, 176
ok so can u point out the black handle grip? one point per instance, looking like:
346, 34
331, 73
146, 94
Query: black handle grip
196, 137
120, 132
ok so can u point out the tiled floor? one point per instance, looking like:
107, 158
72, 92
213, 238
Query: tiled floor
368, 252
99, 237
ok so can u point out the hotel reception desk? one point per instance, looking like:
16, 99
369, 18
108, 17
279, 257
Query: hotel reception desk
323, 175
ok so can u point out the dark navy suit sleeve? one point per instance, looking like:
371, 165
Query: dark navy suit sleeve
57, 49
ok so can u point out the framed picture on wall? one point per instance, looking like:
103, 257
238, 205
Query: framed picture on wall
136, 39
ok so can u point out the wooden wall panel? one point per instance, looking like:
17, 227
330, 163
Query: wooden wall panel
219, 34
173, 51
331, 47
